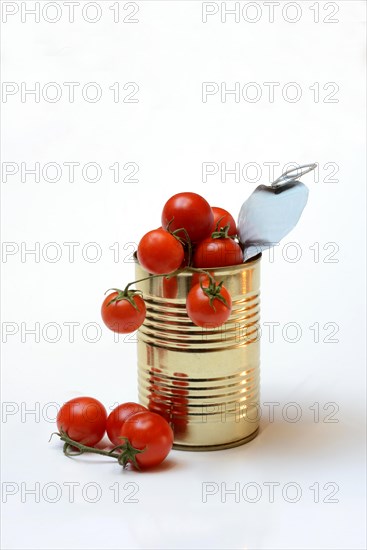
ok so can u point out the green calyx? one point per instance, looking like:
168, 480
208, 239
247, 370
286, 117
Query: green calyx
213, 292
125, 294
221, 232
124, 453
128, 453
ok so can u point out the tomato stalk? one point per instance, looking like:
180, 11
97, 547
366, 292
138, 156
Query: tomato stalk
167, 276
212, 291
222, 232
125, 452
217, 225
124, 295
184, 243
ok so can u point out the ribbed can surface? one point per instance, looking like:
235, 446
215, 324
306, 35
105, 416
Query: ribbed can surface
204, 381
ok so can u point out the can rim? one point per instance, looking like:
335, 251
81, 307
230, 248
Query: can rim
238, 267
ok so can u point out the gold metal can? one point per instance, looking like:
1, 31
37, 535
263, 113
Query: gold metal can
205, 382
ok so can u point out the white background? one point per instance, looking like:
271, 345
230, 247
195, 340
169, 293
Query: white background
169, 133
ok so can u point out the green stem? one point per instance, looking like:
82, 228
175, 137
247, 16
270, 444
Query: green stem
221, 233
217, 225
172, 274
187, 242
199, 270
127, 451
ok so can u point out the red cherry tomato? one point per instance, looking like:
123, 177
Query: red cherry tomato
117, 417
217, 253
160, 252
224, 218
121, 316
190, 211
83, 419
202, 313
151, 432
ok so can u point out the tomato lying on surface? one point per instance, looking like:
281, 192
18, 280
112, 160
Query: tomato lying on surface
224, 218
204, 314
160, 252
83, 419
120, 315
151, 432
190, 211
217, 253
117, 417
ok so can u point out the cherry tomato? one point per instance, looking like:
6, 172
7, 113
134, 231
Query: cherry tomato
202, 313
190, 211
117, 417
217, 253
151, 432
160, 252
83, 419
121, 316
224, 218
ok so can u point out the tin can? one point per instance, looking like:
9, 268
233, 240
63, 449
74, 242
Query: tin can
205, 382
